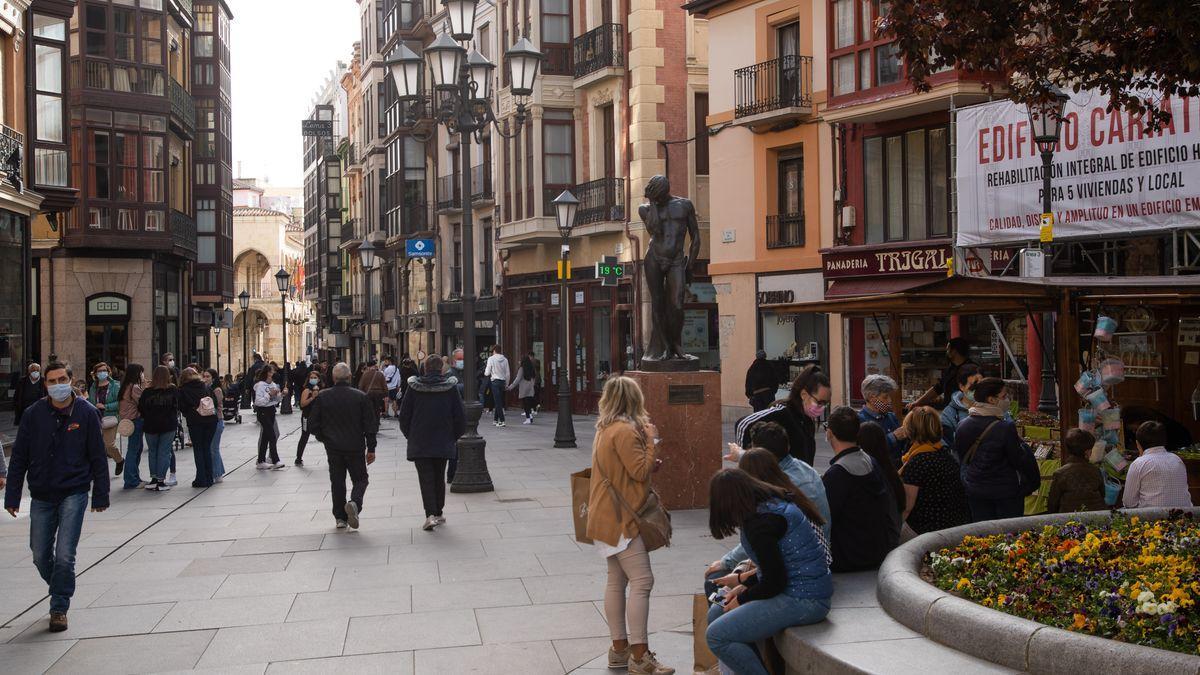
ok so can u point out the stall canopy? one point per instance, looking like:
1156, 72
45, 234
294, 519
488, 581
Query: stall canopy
994, 295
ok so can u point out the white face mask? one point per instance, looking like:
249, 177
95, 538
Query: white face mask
170, 364
35, 376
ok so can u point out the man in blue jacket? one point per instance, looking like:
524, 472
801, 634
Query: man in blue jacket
60, 450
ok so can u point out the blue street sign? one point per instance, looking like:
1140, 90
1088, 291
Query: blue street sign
419, 248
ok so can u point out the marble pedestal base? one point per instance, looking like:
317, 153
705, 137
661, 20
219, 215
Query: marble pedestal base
686, 408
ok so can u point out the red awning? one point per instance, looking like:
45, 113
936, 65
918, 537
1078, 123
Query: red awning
852, 288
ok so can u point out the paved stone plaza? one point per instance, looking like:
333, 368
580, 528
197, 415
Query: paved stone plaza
251, 576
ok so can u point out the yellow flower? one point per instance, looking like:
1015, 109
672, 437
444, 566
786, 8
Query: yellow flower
1001, 598
962, 583
1080, 621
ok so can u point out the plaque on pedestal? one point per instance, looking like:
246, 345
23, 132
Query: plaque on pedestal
686, 408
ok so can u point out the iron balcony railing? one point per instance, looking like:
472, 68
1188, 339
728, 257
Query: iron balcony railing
183, 231
448, 194
558, 60
481, 183
183, 106
601, 200
785, 230
784, 82
601, 47
12, 160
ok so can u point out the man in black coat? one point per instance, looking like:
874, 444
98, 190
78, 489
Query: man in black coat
27, 391
344, 420
432, 418
761, 382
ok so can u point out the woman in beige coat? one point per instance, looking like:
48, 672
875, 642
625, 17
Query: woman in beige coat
623, 457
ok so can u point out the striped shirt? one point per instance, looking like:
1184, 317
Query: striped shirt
748, 421
1157, 478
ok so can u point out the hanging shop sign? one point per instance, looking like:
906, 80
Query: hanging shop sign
1110, 176
316, 128
930, 259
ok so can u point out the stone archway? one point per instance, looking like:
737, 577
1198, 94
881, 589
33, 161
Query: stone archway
252, 272
256, 337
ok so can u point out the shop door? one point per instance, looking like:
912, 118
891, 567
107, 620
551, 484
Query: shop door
108, 343
602, 353
552, 364
581, 364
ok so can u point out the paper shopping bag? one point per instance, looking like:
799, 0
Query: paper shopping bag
581, 486
705, 660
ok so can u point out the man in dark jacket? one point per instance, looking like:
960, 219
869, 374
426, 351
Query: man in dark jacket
27, 391
860, 502
761, 382
60, 450
344, 420
432, 418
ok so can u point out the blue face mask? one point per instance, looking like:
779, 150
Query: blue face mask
102, 376
60, 392
968, 397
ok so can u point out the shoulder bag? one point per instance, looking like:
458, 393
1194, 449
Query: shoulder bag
206, 408
653, 519
978, 441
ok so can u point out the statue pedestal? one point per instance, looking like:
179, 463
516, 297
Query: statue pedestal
686, 408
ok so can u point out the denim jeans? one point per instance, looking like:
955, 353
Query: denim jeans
218, 465
202, 453
731, 635
498, 400
133, 456
995, 509
159, 447
54, 529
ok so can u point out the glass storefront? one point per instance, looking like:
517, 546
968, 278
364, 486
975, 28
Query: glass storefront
13, 280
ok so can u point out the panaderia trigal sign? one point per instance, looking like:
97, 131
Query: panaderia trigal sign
1111, 175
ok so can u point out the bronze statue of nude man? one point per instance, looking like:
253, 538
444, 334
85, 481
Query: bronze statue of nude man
669, 220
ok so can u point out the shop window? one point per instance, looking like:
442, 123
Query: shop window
906, 185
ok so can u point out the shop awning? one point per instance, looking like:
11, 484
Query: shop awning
853, 288
947, 295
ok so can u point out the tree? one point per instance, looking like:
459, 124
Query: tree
1136, 52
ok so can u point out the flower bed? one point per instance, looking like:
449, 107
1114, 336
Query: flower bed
1126, 579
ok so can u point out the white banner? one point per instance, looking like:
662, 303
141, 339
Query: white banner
1111, 176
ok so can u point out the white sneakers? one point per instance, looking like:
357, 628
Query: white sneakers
279, 465
441, 520
528, 420
430, 523
352, 515
171, 480
341, 524
263, 466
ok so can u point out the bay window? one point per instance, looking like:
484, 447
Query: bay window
48, 129
859, 59
906, 182
558, 146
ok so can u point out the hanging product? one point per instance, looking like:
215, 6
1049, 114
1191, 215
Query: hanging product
1112, 371
1105, 327
1099, 400
1087, 419
1087, 381
1110, 418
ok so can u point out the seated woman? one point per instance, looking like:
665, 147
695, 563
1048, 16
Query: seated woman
935, 496
781, 532
1078, 485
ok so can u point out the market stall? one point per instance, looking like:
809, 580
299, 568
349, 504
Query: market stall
1145, 359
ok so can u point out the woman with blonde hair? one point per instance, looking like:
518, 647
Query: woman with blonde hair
623, 457
935, 499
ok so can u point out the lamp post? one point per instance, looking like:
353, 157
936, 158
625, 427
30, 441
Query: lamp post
366, 254
281, 282
465, 84
244, 303
216, 324
1045, 119
566, 205
228, 342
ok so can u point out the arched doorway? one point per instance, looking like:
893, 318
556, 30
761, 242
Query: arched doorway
253, 337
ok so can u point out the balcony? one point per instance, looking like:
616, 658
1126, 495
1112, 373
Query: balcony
12, 144
183, 108
183, 234
599, 53
600, 201
449, 196
348, 233
785, 230
415, 218
773, 91
558, 60
481, 184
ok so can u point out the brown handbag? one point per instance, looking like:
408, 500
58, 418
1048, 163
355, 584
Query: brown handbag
653, 519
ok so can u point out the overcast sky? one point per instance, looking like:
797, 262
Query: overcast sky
282, 51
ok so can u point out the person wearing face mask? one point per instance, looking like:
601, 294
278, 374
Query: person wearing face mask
960, 402
28, 390
105, 394
998, 468
307, 396
958, 353
798, 414
60, 451
212, 380
877, 391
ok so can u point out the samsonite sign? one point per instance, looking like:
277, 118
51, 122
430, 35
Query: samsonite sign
1111, 174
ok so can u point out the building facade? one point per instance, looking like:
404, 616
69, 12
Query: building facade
114, 268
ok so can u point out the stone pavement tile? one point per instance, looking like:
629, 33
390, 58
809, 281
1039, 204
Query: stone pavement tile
274, 583
392, 663
493, 504
558, 513
240, 564
540, 622
673, 649
208, 549
579, 562
456, 531
555, 501
249, 669
234, 510
366, 537
921, 657
404, 632
537, 528
556, 543
303, 542
219, 533
427, 597
566, 588
476, 517
507, 567
577, 652
362, 602
135, 653
223, 612
32, 657
289, 641
672, 612
428, 547
850, 625
100, 622
529, 658
339, 557
118, 572
137, 592
381, 576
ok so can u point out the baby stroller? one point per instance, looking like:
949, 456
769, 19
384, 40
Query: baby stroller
229, 410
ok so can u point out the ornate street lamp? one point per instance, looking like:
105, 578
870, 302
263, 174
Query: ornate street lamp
566, 205
281, 282
216, 325
1045, 119
464, 85
366, 256
244, 303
